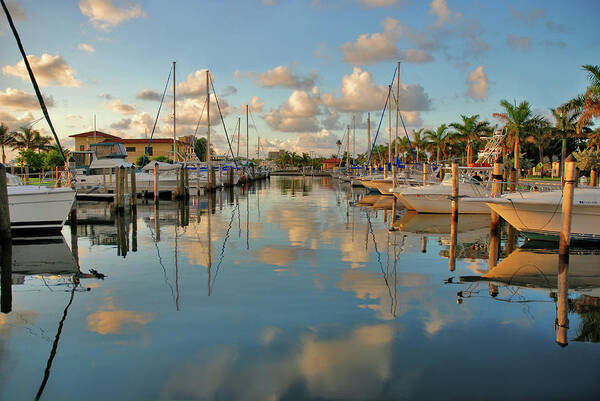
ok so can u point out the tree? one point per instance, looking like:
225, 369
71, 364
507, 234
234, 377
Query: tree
338, 143
419, 141
200, 149
6, 139
516, 120
469, 131
31, 159
53, 159
588, 104
541, 134
438, 139
587, 159
565, 126
25, 138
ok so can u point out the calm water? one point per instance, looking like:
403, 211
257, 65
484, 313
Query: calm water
293, 290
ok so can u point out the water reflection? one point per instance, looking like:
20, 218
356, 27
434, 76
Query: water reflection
291, 290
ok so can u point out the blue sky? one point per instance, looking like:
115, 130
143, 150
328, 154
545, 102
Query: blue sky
305, 66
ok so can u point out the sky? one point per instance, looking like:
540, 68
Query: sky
306, 68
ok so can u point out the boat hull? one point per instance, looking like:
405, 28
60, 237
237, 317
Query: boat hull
38, 209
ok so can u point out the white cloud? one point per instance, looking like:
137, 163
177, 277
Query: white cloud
86, 48
415, 56
148, 94
21, 100
121, 108
360, 93
47, 69
13, 122
122, 124
194, 85
256, 104
104, 14
370, 49
283, 76
518, 42
296, 115
440, 9
477, 83
322, 143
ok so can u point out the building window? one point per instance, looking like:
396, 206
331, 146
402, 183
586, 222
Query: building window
149, 150
81, 148
130, 148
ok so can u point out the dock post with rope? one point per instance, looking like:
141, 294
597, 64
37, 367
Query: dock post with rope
495, 218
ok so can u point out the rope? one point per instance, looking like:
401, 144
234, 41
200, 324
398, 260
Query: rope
38, 93
157, 115
212, 84
405, 131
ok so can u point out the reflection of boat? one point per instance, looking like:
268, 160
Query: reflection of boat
538, 214
44, 256
436, 198
37, 208
368, 200
536, 267
470, 227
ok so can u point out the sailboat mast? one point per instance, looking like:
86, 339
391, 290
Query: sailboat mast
397, 107
389, 133
353, 136
348, 151
369, 138
238, 137
247, 134
208, 159
174, 118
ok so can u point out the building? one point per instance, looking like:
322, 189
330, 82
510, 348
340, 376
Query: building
134, 146
332, 163
275, 155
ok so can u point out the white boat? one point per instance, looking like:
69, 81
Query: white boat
101, 171
37, 209
538, 214
436, 198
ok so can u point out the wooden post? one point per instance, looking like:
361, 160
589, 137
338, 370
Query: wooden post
230, 175
567, 204
513, 180
454, 197
423, 244
220, 166
186, 182
126, 179
593, 178
5, 233
134, 228
424, 174
117, 190
121, 183
133, 198
212, 178
495, 218
110, 177
178, 184
454, 224
156, 183
562, 304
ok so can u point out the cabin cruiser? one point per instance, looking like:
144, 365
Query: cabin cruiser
538, 214
97, 168
37, 209
436, 198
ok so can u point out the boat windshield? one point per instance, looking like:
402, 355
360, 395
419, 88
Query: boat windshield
109, 150
13, 180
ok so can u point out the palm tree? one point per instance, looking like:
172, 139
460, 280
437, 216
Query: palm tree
470, 130
594, 139
565, 125
41, 142
25, 138
338, 143
541, 134
419, 141
438, 139
588, 104
516, 119
6, 139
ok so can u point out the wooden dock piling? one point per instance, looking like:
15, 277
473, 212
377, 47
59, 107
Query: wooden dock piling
156, 171
6, 244
593, 178
5, 233
454, 223
567, 205
495, 218
133, 186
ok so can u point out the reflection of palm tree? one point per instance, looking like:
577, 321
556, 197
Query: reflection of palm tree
588, 309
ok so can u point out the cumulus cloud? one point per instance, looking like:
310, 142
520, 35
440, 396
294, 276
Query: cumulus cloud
322, 142
13, 122
284, 77
21, 100
415, 56
143, 122
256, 104
48, 70
518, 42
360, 93
440, 9
148, 94
477, 84
190, 110
121, 108
527, 17
104, 14
296, 115
376, 47
86, 48
194, 85
122, 124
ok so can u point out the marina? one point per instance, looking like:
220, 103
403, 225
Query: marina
293, 284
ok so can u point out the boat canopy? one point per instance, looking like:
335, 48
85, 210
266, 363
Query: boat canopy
108, 150
162, 166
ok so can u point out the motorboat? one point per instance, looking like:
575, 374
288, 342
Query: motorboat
37, 209
436, 198
97, 168
538, 215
